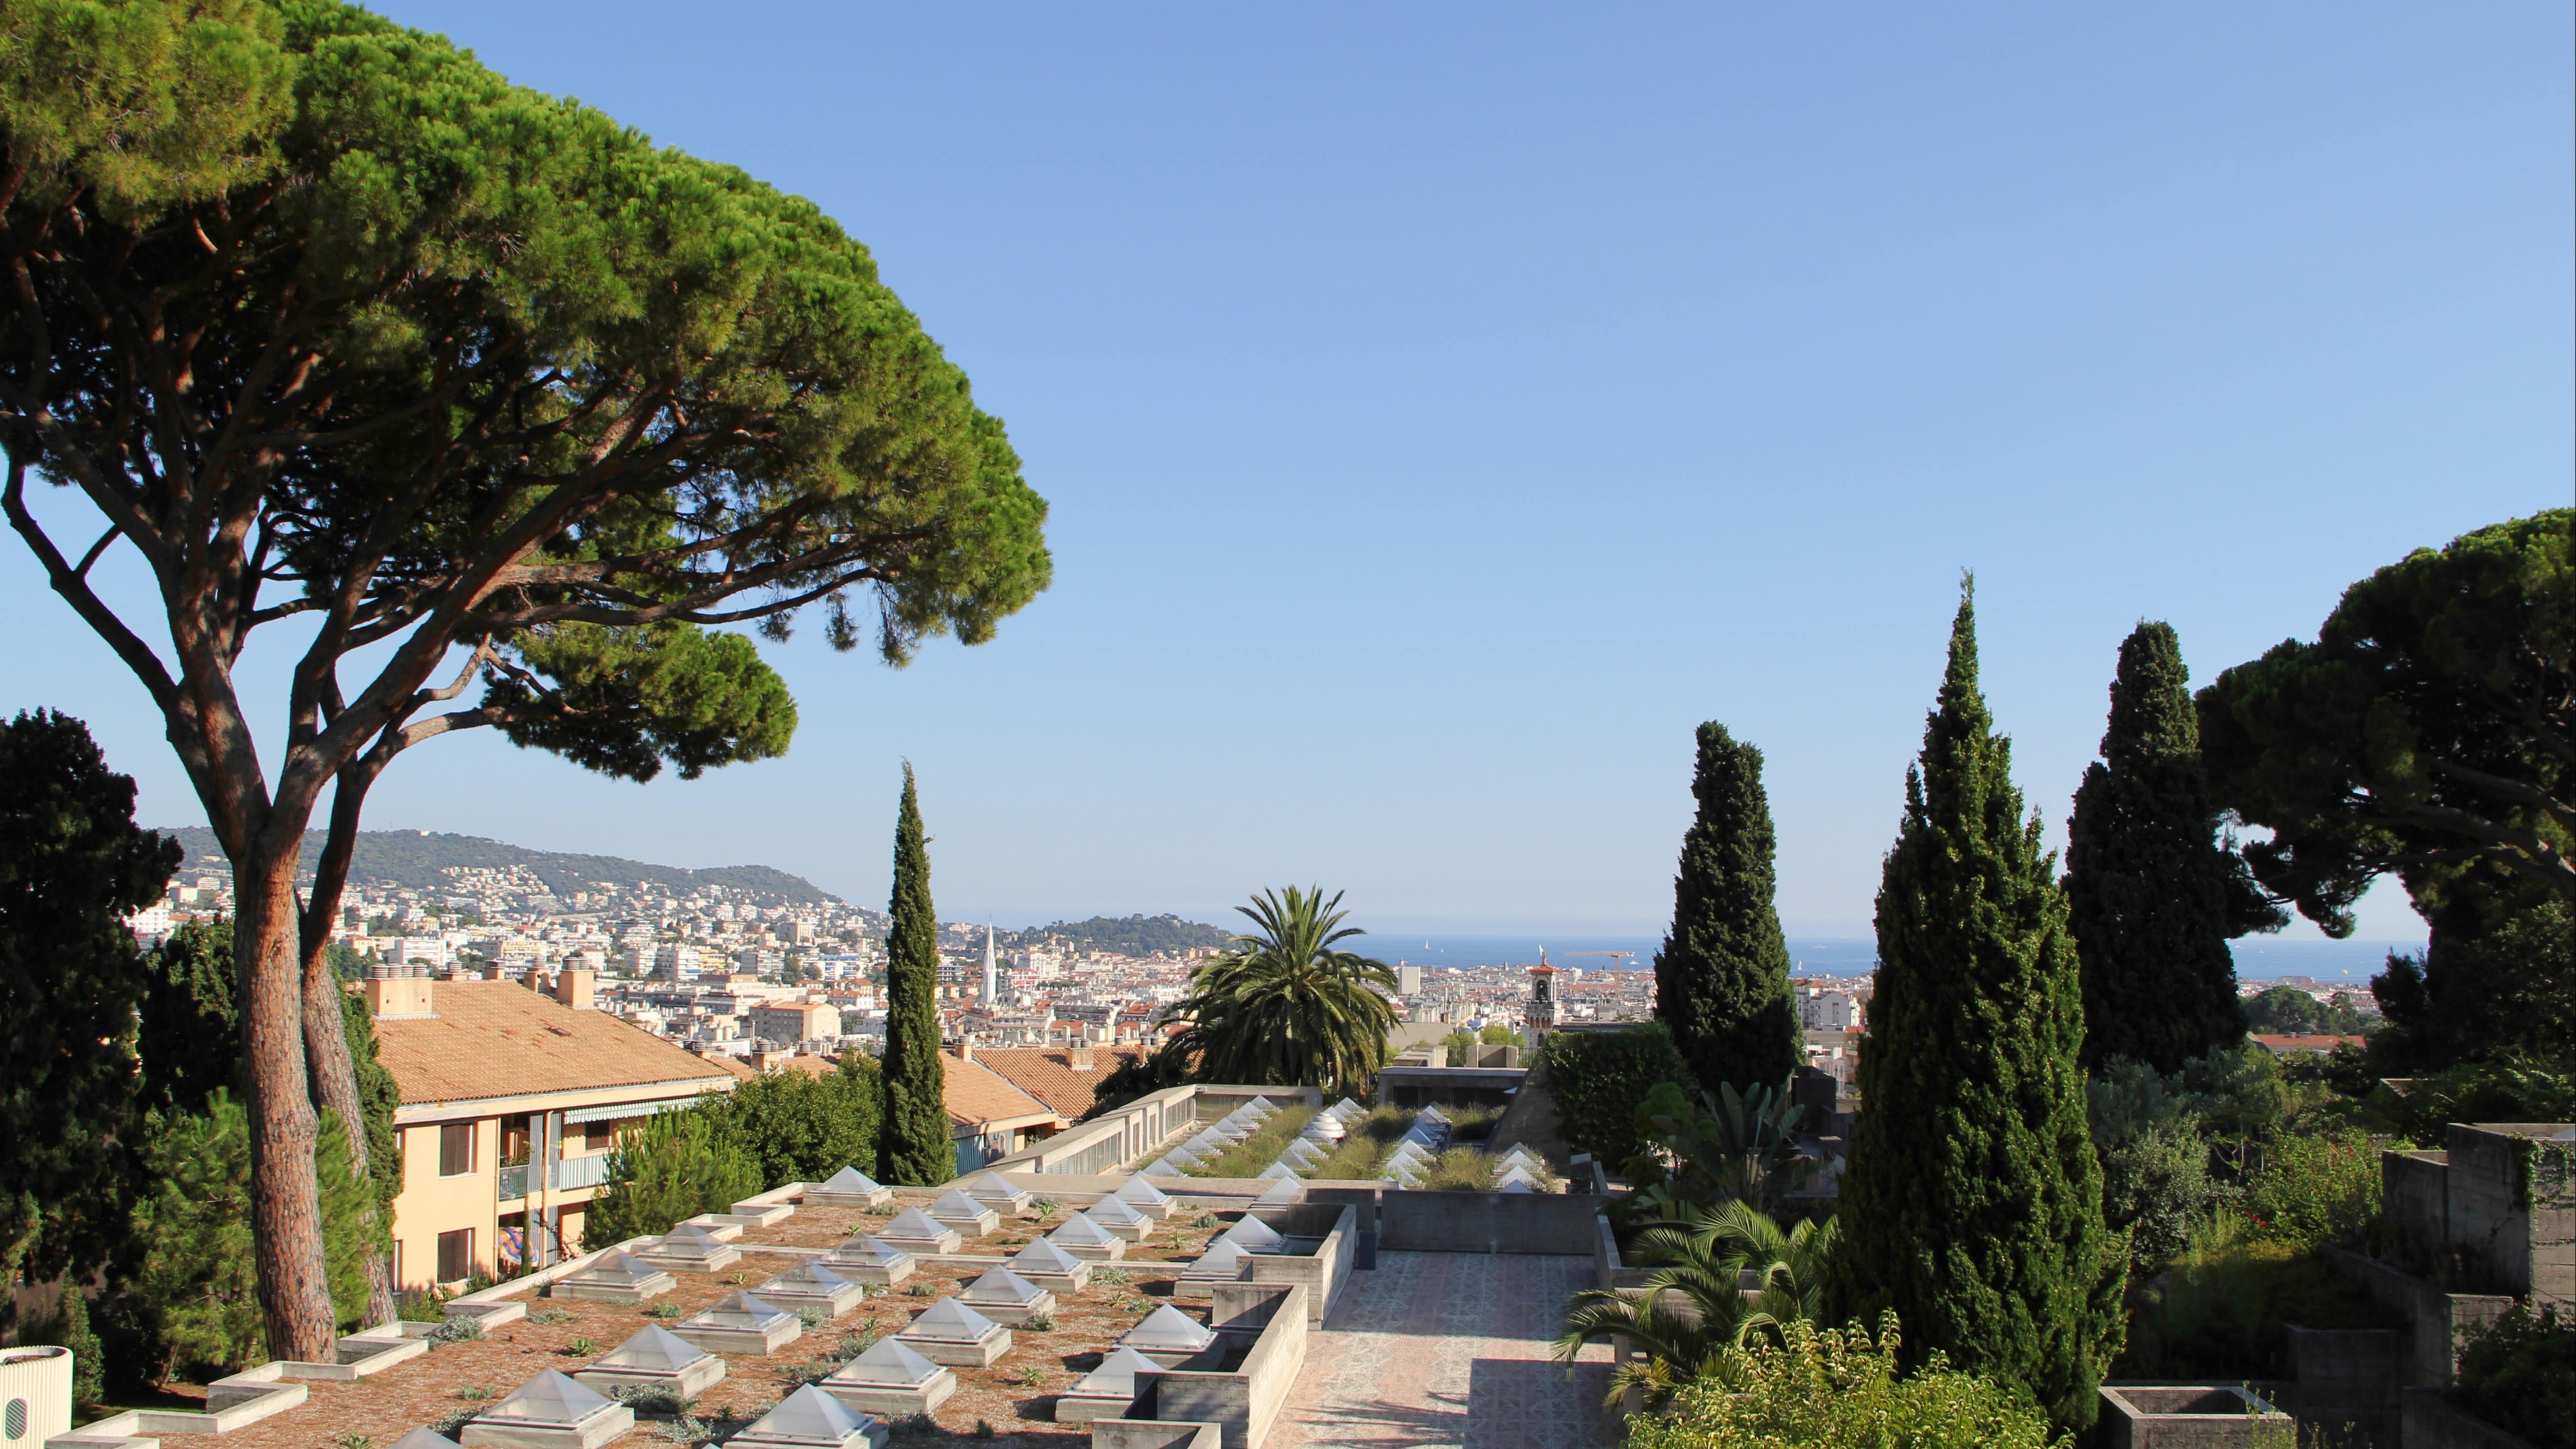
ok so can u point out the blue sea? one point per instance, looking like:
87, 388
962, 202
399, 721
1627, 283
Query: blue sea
2257, 959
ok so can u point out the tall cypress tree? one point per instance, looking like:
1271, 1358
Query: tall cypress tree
1973, 1203
915, 1145
2151, 895
1722, 977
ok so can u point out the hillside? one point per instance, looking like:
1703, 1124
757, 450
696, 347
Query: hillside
418, 860
1128, 935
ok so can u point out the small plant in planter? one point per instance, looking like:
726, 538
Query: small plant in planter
474, 1393
1108, 1275
580, 1347
352, 1441
1207, 1220
550, 1315
663, 1310
1040, 1322
1031, 1376
920, 1290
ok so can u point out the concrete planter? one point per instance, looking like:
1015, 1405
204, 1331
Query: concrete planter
2188, 1416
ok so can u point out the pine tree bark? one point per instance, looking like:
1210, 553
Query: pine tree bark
326, 1038
286, 1198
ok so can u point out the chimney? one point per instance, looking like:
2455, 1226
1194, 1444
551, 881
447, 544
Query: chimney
536, 982
965, 1051
492, 971
572, 988
1083, 1060
398, 998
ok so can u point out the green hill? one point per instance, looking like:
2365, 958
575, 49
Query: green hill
1129, 935
419, 860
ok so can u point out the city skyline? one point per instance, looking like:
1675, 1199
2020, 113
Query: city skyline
1814, 318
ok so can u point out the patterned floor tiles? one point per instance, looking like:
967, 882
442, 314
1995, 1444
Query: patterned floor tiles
1441, 1349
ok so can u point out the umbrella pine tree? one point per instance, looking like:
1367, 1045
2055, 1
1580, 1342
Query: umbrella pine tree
1973, 1202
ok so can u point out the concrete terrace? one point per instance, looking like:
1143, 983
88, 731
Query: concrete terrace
1448, 1349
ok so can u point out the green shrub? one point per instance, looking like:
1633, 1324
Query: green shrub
1599, 1077
676, 1166
67, 1326
2519, 1373
2217, 1313
2156, 1188
803, 1128
1836, 1389
197, 1279
2314, 1190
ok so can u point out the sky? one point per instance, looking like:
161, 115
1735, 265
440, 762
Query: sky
1444, 409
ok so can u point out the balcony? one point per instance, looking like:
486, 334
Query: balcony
575, 1172
513, 1182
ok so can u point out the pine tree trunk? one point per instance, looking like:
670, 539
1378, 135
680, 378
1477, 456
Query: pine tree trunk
335, 1085
286, 1200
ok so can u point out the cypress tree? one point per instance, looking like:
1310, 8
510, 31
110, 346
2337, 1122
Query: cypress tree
2148, 887
1722, 977
1973, 1203
916, 1146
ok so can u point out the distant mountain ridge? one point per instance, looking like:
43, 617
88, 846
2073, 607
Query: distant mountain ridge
419, 860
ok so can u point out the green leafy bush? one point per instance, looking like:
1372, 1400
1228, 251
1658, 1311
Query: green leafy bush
2314, 1190
2156, 1187
675, 1166
1837, 1389
197, 1279
2216, 1314
2519, 1373
1599, 1077
803, 1128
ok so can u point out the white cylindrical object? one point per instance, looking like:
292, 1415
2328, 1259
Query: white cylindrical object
35, 1395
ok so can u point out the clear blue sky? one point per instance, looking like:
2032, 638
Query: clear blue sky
1446, 408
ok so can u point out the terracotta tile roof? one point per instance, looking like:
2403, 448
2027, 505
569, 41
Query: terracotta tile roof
499, 1039
976, 1095
734, 1067
2279, 1043
1047, 1073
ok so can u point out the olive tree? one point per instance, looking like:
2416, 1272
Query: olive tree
496, 413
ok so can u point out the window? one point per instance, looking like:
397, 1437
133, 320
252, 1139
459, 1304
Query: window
456, 1255
455, 1158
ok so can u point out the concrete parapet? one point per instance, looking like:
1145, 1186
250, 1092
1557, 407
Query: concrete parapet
2187, 1416
2432, 1422
1154, 1434
1246, 1399
2438, 1322
1489, 1222
1324, 1238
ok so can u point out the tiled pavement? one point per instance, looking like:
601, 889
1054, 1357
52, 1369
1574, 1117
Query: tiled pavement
1448, 1349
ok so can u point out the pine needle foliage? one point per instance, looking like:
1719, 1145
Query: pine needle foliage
1973, 1202
916, 1147
1722, 977
2149, 889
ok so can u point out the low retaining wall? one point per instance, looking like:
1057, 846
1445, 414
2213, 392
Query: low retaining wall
2438, 1322
2431, 1422
1322, 1272
1245, 1400
1489, 1222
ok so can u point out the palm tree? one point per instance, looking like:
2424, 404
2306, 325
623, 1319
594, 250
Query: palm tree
1282, 1007
1736, 1273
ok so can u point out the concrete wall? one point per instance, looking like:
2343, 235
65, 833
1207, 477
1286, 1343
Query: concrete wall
2438, 1321
1489, 1222
1126, 1135
1245, 1400
1324, 1271
2433, 1423
2345, 1376
1451, 1086
2511, 1207
2414, 1194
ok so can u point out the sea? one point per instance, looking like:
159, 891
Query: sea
2257, 959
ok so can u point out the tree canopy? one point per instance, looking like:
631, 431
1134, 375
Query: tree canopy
508, 414
1722, 976
72, 866
1973, 1201
1286, 1006
2429, 731
2153, 896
